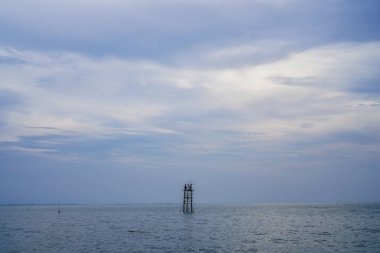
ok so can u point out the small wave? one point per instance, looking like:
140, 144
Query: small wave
278, 240
137, 231
360, 246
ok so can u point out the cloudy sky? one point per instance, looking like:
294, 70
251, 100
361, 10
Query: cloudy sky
123, 101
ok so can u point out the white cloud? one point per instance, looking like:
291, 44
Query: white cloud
32, 150
72, 94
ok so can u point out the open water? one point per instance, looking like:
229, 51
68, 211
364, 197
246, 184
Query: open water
212, 228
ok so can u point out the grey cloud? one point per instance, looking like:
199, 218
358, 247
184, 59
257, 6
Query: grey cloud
160, 30
297, 81
9, 98
367, 86
363, 86
355, 137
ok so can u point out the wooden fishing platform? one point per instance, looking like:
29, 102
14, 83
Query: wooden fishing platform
187, 206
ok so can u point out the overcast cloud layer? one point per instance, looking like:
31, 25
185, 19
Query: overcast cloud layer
264, 101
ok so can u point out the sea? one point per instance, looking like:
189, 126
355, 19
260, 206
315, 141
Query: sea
211, 228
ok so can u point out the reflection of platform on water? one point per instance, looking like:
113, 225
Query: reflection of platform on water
187, 206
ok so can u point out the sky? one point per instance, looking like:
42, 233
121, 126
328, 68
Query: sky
124, 101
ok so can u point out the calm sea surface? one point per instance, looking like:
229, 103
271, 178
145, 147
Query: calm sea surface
213, 228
